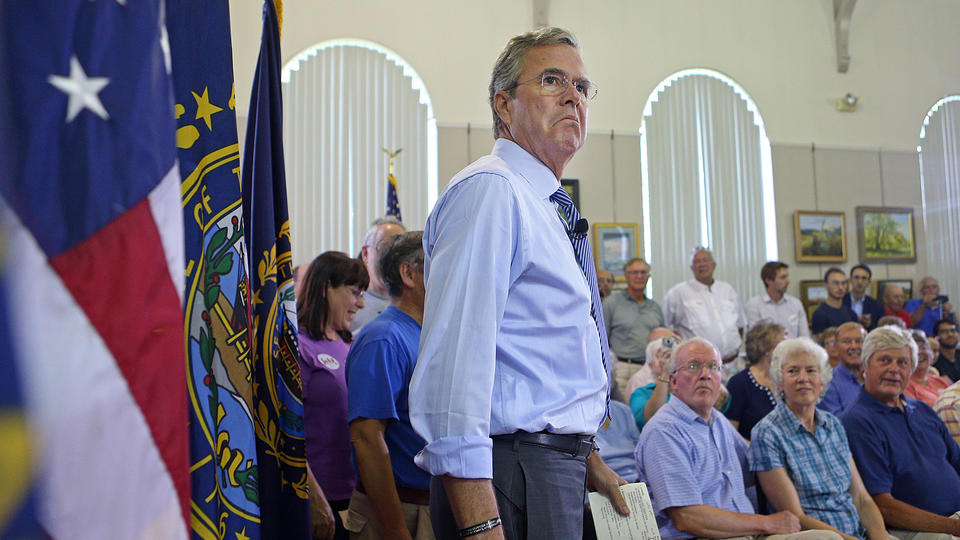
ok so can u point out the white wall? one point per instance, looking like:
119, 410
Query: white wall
903, 55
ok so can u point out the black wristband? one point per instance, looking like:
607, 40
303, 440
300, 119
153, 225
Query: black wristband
480, 527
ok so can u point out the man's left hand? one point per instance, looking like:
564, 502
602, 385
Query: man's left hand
602, 479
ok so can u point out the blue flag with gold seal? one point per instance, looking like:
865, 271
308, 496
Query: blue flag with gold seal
225, 475
281, 442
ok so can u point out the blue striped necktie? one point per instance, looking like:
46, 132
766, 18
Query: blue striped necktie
581, 248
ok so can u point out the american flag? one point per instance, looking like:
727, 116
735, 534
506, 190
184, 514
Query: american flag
393, 205
91, 201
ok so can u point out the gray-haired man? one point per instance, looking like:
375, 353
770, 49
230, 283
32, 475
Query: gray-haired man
510, 385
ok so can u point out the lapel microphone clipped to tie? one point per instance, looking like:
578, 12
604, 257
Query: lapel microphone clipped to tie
580, 228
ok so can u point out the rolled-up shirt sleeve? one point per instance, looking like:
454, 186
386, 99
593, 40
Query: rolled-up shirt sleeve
472, 256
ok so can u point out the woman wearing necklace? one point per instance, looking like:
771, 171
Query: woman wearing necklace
751, 390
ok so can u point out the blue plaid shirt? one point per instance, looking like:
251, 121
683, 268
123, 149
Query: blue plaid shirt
818, 464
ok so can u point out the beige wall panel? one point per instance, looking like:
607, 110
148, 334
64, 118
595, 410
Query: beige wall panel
901, 187
793, 190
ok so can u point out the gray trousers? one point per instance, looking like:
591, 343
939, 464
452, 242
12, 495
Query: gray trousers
539, 493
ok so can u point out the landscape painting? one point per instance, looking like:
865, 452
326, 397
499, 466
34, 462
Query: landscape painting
885, 234
820, 236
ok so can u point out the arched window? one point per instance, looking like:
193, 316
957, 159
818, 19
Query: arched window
939, 152
707, 180
345, 101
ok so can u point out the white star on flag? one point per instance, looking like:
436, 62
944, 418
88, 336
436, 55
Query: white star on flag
82, 90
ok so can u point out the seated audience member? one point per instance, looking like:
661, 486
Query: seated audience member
828, 340
832, 312
645, 375
845, 384
946, 364
751, 390
646, 400
775, 305
867, 308
618, 440
924, 384
909, 462
927, 310
604, 283
692, 459
377, 298
706, 307
392, 497
893, 300
800, 453
948, 409
892, 320
332, 294
629, 317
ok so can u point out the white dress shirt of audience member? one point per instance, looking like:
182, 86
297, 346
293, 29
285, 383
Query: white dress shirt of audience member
708, 308
629, 317
376, 297
800, 453
510, 377
844, 387
909, 463
693, 461
775, 305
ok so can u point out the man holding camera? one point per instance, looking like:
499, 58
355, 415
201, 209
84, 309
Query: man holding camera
929, 309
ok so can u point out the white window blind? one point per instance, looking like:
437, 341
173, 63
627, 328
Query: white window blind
707, 180
344, 102
939, 152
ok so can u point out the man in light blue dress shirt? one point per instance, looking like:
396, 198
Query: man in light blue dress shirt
510, 384
692, 459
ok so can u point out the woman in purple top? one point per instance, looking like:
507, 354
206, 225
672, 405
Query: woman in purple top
751, 390
332, 294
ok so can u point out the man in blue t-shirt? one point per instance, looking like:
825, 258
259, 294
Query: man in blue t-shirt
832, 312
392, 497
909, 463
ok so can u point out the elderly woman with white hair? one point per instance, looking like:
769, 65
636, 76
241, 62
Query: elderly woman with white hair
800, 453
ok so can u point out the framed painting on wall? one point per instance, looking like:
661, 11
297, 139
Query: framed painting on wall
613, 245
885, 234
820, 236
572, 187
812, 293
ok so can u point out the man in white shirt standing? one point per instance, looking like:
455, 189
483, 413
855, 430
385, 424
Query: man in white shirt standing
775, 305
707, 308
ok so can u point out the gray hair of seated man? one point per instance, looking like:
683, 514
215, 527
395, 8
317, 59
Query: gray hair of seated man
888, 337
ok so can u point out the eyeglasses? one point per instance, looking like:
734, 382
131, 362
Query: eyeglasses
694, 368
554, 82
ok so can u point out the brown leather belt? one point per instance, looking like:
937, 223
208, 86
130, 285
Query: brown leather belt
407, 495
